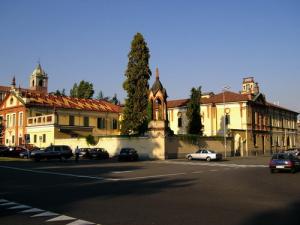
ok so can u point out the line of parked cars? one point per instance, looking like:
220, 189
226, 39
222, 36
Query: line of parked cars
64, 152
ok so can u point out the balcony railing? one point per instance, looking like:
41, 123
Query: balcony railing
41, 120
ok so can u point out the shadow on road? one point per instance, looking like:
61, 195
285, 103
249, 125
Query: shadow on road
283, 216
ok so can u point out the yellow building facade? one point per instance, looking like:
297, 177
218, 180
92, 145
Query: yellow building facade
32, 116
254, 125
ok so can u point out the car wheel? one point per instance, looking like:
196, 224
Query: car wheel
208, 159
190, 157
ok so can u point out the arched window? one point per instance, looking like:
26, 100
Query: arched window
41, 83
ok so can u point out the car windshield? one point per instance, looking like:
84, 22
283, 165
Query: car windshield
125, 150
281, 156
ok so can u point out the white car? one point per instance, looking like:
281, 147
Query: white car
207, 155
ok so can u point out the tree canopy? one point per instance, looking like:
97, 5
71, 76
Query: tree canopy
83, 90
193, 112
135, 120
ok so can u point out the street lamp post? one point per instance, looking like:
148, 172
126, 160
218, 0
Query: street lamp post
224, 119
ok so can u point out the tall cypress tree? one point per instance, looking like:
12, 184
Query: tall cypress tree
193, 112
136, 85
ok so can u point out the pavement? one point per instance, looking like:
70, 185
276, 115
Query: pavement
236, 191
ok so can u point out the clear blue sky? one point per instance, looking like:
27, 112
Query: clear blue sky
208, 43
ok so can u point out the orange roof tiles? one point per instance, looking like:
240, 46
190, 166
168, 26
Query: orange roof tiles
228, 97
70, 103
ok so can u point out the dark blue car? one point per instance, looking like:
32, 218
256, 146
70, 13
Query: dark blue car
284, 162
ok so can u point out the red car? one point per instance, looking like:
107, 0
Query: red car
284, 162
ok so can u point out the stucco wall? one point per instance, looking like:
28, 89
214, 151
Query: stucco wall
178, 147
147, 147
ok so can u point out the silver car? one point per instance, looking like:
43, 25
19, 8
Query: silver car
205, 154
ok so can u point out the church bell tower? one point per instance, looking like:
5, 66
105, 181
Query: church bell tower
39, 80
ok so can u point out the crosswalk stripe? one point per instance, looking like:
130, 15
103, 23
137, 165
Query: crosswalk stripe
48, 213
20, 207
80, 222
8, 204
33, 210
61, 218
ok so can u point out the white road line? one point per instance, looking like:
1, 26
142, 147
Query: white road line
47, 213
54, 173
80, 222
153, 176
32, 210
3, 200
196, 172
213, 170
20, 207
210, 164
8, 204
126, 171
61, 218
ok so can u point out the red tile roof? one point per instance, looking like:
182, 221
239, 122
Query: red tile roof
218, 98
177, 103
54, 101
228, 97
5, 88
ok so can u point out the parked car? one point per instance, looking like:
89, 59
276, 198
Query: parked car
4, 150
61, 152
204, 154
98, 153
128, 154
15, 151
284, 161
84, 152
27, 153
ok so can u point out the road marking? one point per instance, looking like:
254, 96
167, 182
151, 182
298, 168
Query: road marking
153, 176
48, 213
8, 204
32, 210
61, 218
20, 207
55, 173
44, 213
213, 170
196, 172
126, 171
210, 164
80, 222
3, 200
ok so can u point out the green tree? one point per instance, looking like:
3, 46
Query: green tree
193, 112
83, 90
114, 100
100, 95
136, 85
59, 93
90, 140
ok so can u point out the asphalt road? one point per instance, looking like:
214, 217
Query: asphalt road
175, 192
